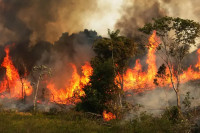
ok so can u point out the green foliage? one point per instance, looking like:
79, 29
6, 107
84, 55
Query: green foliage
119, 48
171, 113
176, 36
187, 100
112, 57
180, 34
101, 89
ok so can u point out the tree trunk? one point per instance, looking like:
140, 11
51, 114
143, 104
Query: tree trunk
122, 83
178, 102
122, 88
176, 89
120, 100
35, 98
22, 89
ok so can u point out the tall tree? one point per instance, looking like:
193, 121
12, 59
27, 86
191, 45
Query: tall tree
118, 48
112, 56
101, 91
176, 37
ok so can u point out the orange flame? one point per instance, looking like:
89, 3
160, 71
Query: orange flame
108, 116
138, 80
134, 79
70, 92
11, 82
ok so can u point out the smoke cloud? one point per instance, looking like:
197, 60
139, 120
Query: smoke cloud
136, 13
42, 20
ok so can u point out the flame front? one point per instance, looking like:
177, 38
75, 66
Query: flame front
108, 116
138, 80
134, 79
71, 92
11, 85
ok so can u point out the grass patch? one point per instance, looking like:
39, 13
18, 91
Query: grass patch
71, 122
77, 122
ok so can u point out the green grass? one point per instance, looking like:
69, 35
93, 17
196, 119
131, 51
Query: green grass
71, 122
77, 122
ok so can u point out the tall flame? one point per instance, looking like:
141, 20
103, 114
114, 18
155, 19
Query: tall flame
11, 82
65, 95
138, 80
134, 79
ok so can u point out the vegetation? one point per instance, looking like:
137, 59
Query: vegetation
73, 122
104, 92
176, 37
100, 90
105, 88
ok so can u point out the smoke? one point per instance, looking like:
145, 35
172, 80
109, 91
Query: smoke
69, 49
136, 13
44, 20
158, 100
52, 27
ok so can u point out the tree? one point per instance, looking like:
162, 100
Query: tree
40, 72
111, 60
101, 90
176, 37
21, 67
118, 48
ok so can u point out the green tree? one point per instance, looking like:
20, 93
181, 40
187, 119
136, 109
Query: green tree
111, 60
118, 48
100, 92
176, 37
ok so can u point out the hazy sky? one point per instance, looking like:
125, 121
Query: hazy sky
48, 19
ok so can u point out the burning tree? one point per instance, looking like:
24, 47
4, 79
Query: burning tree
176, 37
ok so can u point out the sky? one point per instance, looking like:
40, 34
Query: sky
47, 20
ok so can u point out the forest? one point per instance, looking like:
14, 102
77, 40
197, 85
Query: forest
105, 90
99, 66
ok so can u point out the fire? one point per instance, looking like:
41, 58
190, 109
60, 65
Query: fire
151, 58
12, 85
134, 79
74, 89
108, 116
138, 80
